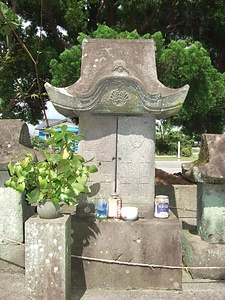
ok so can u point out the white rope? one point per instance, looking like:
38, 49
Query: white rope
152, 266
185, 209
109, 261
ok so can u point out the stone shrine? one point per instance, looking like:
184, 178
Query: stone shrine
209, 173
117, 98
208, 247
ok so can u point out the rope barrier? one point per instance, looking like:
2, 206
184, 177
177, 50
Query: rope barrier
185, 209
152, 266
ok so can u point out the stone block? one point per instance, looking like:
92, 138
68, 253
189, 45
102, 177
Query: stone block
100, 145
135, 167
125, 149
15, 139
13, 253
14, 212
210, 216
183, 202
210, 165
48, 258
155, 241
11, 215
209, 257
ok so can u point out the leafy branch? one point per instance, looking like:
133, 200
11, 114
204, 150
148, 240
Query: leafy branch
8, 25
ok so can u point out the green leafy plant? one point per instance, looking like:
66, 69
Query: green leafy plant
186, 151
38, 142
61, 177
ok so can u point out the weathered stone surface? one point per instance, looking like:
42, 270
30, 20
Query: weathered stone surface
125, 148
11, 215
210, 216
136, 161
183, 202
210, 166
144, 241
15, 139
13, 253
197, 253
118, 76
100, 144
48, 258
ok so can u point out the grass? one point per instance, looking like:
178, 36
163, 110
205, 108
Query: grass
194, 156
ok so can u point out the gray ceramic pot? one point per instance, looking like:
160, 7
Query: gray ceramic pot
48, 210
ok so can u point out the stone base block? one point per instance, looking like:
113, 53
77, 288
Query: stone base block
47, 258
211, 217
152, 242
198, 253
13, 253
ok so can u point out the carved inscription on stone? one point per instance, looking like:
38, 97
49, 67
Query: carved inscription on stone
119, 68
119, 97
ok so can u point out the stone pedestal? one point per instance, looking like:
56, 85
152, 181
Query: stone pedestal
197, 253
47, 258
13, 213
155, 241
211, 212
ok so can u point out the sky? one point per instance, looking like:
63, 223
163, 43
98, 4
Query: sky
51, 114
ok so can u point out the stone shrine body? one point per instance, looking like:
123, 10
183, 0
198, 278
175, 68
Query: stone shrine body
117, 98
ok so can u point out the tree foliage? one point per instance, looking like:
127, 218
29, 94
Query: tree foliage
190, 49
188, 62
167, 140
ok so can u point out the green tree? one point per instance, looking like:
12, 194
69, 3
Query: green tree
167, 140
180, 59
204, 108
23, 69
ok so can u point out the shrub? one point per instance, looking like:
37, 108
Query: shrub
186, 151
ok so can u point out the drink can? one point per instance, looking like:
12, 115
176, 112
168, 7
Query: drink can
161, 207
114, 206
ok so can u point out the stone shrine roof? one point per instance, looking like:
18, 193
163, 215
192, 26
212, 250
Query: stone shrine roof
118, 76
210, 166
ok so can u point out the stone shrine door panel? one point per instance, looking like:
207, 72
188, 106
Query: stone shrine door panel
136, 160
100, 143
125, 147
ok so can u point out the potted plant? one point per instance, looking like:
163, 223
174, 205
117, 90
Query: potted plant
60, 178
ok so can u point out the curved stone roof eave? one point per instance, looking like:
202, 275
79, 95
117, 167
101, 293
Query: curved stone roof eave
163, 103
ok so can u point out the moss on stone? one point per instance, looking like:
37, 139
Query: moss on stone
203, 157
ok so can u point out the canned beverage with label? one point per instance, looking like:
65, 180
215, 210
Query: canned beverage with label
161, 209
114, 206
